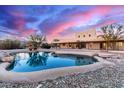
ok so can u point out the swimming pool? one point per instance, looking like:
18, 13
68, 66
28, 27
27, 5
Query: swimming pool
36, 61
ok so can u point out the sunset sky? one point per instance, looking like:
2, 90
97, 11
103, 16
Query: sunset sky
55, 21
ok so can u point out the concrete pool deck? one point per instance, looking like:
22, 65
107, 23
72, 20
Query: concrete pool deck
56, 72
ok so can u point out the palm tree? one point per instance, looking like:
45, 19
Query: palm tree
35, 41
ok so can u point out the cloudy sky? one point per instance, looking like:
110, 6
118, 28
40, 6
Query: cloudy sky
55, 21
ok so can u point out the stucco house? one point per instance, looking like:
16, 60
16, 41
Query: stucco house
87, 39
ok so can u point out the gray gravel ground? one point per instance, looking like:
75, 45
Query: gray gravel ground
107, 77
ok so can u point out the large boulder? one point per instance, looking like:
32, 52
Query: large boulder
5, 57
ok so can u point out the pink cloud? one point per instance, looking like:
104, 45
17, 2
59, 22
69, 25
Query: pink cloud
97, 11
17, 13
106, 23
82, 18
25, 34
28, 32
75, 19
20, 24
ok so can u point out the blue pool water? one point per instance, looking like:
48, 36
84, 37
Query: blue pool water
28, 62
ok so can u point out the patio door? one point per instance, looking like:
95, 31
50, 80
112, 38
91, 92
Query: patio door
102, 46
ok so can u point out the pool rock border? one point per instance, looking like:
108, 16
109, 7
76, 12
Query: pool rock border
52, 73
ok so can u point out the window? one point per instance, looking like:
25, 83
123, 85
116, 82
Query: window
79, 36
83, 35
89, 35
63, 44
120, 44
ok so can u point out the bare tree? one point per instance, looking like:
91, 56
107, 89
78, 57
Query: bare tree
113, 32
35, 41
117, 33
106, 35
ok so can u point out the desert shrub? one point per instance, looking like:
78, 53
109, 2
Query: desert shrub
10, 44
46, 45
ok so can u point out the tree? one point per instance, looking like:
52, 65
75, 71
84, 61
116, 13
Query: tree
117, 33
113, 32
36, 41
10, 44
106, 35
46, 46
